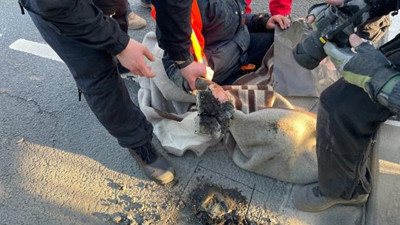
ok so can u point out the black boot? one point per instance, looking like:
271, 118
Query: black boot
155, 166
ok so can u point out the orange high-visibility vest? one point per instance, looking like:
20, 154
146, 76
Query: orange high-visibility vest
196, 37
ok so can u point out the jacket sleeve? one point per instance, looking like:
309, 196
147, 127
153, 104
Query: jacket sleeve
280, 7
257, 22
82, 21
383, 7
173, 27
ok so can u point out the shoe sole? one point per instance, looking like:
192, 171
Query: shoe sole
165, 178
358, 203
136, 27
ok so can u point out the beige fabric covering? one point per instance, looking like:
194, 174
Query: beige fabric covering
274, 142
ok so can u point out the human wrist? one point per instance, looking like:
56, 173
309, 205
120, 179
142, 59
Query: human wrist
389, 96
383, 81
388, 87
261, 21
120, 45
184, 63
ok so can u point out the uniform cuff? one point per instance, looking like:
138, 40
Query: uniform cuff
179, 55
120, 45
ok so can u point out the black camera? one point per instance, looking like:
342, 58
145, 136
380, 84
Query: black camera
331, 25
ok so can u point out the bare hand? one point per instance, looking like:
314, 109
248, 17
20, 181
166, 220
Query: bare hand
335, 2
355, 40
283, 22
192, 72
218, 92
132, 58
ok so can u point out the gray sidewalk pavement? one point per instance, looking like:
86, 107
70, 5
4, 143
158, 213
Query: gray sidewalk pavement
58, 165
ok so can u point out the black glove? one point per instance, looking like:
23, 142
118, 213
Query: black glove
370, 70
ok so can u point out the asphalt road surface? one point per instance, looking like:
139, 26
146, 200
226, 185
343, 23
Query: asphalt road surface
58, 165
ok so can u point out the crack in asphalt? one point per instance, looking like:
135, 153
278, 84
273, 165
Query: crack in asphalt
40, 110
53, 135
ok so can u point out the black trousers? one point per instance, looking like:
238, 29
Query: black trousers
118, 9
97, 76
347, 121
259, 45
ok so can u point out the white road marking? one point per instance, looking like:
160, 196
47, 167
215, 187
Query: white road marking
1, 35
35, 48
394, 27
393, 123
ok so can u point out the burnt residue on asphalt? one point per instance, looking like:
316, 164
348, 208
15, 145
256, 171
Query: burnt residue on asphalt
214, 205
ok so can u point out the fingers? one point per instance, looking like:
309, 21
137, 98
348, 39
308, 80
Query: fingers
282, 21
218, 92
148, 54
142, 70
359, 44
310, 19
139, 66
355, 40
192, 72
133, 58
270, 25
286, 22
146, 71
335, 2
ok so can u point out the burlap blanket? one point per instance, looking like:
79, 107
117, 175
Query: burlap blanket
267, 136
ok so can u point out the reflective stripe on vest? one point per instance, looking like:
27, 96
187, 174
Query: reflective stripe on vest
196, 37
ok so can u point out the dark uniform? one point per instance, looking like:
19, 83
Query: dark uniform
347, 122
232, 38
87, 41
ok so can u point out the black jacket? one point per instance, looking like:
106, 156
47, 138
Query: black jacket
174, 29
82, 21
383, 7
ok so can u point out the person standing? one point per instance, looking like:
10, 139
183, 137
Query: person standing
90, 43
349, 113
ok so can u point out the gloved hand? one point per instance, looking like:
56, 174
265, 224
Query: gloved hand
368, 68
